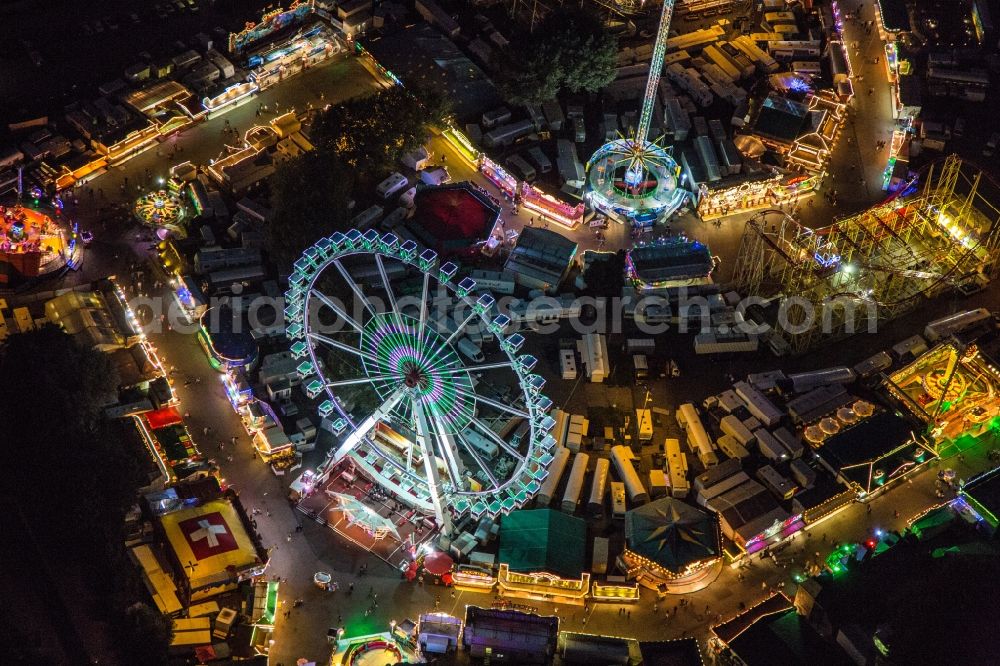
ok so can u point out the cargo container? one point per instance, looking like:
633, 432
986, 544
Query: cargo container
567, 363
600, 559
806, 381
791, 442
910, 348
724, 343
644, 424
732, 448
657, 484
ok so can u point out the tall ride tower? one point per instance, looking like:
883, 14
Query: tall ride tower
635, 176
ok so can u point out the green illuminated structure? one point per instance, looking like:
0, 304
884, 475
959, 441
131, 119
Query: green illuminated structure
420, 425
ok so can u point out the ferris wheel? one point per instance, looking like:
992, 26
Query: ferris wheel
426, 389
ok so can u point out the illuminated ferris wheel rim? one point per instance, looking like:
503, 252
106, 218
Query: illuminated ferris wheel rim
400, 383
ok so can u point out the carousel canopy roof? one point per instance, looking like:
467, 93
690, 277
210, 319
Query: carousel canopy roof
671, 533
543, 540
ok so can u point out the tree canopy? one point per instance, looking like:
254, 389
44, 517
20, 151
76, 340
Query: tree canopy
373, 132
569, 50
71, 473
310, 197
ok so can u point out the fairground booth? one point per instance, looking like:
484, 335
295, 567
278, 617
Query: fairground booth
542, 556
872, 454
207, 542
453, 219
672, 547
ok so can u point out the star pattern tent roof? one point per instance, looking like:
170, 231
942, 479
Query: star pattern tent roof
671, 533
543, 540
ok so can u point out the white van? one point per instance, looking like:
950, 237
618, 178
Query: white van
521, 167
406, 198
391, 185
435, 176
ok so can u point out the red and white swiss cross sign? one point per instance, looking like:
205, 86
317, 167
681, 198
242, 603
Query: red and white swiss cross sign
208, 535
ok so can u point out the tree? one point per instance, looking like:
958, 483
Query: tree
145, 635
569, 50
71, 474
310, 197
373, 132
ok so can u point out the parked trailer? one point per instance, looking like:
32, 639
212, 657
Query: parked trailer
731, 447
733, 427
807, 381
621, 456
507, 134
775, 482
698, 440
567, 364
754, 52
724, 343
873, 365
956, 323
617, 499
912, 346
677, 468
722, 62
574, 484
598, 488
758, 404
556, 469
640, 345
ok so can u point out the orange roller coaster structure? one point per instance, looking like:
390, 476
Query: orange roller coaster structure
873, 266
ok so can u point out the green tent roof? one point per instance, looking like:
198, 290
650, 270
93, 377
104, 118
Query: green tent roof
543, 540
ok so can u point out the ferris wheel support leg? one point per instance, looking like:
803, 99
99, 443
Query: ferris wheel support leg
446, 444
441, 513
361, 430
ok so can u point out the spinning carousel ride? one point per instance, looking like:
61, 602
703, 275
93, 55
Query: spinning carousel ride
422, 409
33, 243
161, 209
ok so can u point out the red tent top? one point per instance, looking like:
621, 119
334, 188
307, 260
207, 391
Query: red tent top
438, 563
163, 417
